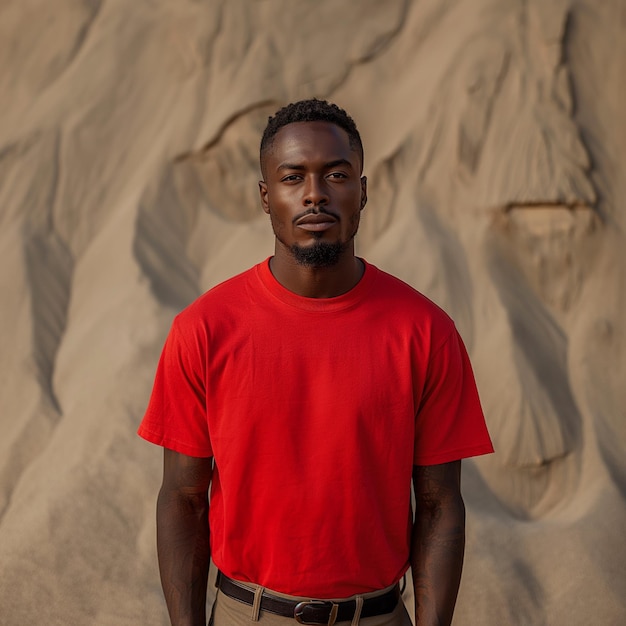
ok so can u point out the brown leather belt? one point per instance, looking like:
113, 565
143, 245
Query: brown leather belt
311, 611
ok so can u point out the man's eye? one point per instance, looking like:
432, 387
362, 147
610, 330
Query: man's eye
337, 175
291, 178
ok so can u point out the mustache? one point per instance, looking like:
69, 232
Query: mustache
315, 211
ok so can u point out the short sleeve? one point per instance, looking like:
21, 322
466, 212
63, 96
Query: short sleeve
176, 414
449, 423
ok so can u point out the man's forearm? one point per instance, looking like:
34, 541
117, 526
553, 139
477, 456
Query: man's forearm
183, 549
437, 549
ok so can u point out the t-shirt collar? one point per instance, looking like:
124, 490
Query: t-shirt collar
337, 303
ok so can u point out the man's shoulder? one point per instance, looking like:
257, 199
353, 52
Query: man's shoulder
223, 297
397, 290
410, 312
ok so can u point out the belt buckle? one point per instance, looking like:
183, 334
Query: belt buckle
299, 616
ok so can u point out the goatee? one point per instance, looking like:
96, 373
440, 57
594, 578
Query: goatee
319, 254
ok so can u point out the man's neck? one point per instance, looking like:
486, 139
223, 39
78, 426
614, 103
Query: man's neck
316, 282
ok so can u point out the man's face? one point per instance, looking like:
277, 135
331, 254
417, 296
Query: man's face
313, 191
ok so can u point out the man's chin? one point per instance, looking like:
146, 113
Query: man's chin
318, 254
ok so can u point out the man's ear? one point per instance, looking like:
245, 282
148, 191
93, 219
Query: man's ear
363, 192
264, 196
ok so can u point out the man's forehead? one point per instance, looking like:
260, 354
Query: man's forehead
316, 132
306, 138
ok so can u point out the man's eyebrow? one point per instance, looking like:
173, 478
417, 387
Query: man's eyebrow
338, 162
290, 166
300, 166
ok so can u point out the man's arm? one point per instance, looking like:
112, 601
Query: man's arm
183, 536
438, 542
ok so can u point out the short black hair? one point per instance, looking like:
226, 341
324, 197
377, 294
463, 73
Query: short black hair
313, 110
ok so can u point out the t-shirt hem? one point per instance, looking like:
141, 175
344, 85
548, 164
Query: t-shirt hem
453, 455
172, 444
348, 592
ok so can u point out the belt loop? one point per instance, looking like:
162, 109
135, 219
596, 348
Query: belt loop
256, 605
357, 611
332, 618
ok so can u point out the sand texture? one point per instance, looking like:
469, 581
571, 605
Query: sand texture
495, 142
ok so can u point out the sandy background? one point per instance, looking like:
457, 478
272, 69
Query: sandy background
495, 149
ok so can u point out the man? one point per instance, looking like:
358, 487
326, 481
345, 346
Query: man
307, 393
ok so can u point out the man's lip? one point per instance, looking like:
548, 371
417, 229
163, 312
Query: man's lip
316, 222
317, 226
316, 218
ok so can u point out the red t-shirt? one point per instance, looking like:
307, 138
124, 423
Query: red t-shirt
315, 411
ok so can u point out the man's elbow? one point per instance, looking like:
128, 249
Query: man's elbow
181, 503
441, 518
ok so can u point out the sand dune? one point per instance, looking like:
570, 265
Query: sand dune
495, 142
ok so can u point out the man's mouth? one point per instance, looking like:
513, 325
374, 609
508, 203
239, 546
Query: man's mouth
316, 222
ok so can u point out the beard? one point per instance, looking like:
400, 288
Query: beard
319, 254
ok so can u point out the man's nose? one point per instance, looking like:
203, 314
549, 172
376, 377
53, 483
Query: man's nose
315, 191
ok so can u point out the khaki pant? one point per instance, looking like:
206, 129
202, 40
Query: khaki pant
230, 612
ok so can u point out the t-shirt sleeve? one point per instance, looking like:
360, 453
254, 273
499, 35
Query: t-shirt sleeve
176, 414
449, 424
